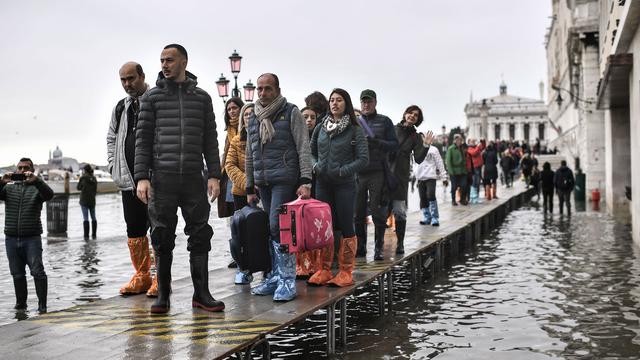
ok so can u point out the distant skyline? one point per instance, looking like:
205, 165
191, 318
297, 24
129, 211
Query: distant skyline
61, 59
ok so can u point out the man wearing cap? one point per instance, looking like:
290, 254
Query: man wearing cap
372, 187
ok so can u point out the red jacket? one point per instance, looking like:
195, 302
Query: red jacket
476, 155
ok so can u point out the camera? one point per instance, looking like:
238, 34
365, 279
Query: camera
18, 177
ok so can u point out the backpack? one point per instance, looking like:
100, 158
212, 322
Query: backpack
566, 183
119, 111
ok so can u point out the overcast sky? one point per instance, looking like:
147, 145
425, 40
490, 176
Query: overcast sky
60, 59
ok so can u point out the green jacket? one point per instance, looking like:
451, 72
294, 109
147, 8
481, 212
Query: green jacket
23, 205
88, 186
456, 163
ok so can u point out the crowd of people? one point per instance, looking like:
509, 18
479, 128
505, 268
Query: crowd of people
357, 161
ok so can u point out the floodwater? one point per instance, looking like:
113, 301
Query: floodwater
539, 287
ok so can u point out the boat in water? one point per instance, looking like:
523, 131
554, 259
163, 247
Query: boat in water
56, 180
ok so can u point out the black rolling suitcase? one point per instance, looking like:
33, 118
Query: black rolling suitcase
250, 239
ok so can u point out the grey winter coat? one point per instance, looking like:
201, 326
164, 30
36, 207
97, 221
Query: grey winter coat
116, 157
176, 128
337, 159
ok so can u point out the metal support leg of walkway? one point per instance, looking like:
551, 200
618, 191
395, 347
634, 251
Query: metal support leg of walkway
343, 322
390, 291
331, 329
381, 294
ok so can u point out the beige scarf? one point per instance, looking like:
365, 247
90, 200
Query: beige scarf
265, 117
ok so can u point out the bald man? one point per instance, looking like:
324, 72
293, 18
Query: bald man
121, 140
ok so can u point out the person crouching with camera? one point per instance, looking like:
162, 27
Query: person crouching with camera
23, 194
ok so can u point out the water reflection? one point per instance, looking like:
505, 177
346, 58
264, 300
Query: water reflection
88, 273
539, 287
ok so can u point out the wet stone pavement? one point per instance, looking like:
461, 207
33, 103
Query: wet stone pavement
539, 287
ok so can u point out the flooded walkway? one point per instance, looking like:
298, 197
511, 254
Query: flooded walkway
538, 287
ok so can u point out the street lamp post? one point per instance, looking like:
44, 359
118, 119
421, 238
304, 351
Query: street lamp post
484, 115
223, 84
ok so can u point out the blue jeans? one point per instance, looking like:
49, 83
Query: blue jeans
23, 251
458, 181
341, 198
85, 212
476, 178
272, 197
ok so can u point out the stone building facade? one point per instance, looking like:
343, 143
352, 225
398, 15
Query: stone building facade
618, 96
507, 117
572, 45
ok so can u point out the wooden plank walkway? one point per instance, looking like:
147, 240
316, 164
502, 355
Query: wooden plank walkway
121, 327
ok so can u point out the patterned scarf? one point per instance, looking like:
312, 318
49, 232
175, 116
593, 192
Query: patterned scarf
333, 127
264, 114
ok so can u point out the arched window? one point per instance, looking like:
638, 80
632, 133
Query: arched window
496, 130
512, 131
541, 131
526, 132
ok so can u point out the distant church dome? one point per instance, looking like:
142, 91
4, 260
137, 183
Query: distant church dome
57, 153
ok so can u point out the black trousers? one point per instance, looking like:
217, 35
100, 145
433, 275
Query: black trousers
371, 192
547, 200
427, 192
135, 214
341, 199
189, 192
564, 197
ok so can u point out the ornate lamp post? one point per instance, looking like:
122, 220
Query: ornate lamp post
223, 84
235, 60
223, 88
249, 90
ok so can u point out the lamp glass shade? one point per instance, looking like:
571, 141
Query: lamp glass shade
249, 90
223, 86
235, 60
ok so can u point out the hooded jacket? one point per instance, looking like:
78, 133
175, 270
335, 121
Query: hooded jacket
431, 167
176, 128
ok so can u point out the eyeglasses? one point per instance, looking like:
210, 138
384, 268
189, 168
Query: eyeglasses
24, 168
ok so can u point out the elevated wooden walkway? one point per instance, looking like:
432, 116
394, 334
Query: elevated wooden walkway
122, 327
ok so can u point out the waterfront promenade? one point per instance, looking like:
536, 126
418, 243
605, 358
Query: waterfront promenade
121, 327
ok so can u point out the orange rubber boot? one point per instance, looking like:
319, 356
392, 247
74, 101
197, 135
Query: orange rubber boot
324, 273
316, 261
304, 263
495, 188
346, 261
141, 280
487, 192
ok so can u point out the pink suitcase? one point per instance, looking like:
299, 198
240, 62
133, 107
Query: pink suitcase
305, 225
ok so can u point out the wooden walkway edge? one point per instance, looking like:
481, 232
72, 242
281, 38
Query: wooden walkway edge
121, 327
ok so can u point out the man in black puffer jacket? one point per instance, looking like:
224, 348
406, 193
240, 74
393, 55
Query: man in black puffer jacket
372, 188
22, 229
176, 128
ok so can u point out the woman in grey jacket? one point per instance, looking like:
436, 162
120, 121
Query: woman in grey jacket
339, 149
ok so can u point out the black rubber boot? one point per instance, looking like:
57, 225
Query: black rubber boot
41, 291
94, 228
163, 272
85, 225
361, 233
379, 238
401, 227
200, 276
20, 286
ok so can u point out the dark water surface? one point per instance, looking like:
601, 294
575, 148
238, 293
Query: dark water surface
539, 287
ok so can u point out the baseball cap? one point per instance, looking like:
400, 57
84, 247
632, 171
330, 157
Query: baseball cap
368, 93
